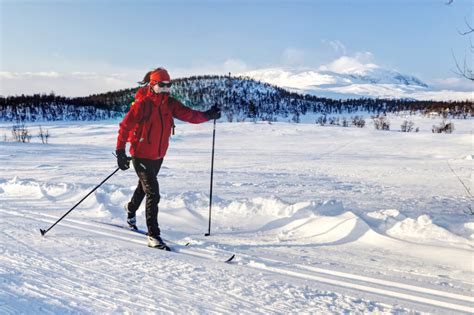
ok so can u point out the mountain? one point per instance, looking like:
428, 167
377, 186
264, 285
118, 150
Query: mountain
371, 82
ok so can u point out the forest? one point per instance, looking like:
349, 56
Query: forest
239, 98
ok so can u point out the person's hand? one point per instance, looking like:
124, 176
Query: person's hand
123, 161
213, 113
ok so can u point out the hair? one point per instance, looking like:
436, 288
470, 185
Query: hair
146, 78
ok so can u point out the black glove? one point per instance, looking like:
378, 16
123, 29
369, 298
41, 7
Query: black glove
213, 113
123, 161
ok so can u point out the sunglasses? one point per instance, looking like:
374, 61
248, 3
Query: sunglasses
164, 84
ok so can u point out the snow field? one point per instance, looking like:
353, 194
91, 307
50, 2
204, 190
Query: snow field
318, 217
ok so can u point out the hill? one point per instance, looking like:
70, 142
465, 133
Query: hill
240, 98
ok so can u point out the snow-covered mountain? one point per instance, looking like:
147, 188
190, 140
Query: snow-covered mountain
372, 82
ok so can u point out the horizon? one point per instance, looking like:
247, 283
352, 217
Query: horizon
66, 54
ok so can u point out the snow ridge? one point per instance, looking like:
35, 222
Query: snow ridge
322, 220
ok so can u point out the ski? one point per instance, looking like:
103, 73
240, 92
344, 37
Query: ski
173, 249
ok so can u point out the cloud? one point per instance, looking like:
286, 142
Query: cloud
365, 56
16, 75
293, 56
359, 64
67, 84
232, 65
83, 83
338, 46
453, 83
292, 80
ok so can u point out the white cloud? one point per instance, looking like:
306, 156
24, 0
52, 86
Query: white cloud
291, 80
232, 65
83, 83
453, 83
50, 74
17, 75
351, 65
86, 74
7, 75
67, 84
338, 47
365, 56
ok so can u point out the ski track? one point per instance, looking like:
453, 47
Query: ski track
62, 278
110, 285
384, 288
237, 302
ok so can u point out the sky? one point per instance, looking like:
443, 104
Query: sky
77, 48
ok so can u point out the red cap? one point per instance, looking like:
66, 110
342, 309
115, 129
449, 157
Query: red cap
160, 75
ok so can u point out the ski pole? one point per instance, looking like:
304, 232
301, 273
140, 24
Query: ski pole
43, 232
212, 173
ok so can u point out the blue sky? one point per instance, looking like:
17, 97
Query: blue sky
81, 47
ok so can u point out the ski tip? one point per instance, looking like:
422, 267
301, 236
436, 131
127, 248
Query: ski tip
187, 244
43, 232
230, 259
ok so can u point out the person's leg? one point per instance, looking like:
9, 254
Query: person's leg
147, 171
139, 193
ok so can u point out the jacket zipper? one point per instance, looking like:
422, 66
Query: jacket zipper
162, 127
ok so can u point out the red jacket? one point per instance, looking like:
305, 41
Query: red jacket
147, 126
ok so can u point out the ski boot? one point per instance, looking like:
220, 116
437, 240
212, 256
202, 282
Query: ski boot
157, 242
131, 218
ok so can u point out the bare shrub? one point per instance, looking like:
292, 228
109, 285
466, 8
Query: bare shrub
443, 127
44, 135
358, 121
333, 121
241, 118
322, 120
345, 122
381, 122
230, 116
407, 126
268, 118
21, 133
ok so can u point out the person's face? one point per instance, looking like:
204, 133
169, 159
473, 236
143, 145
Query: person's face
162, 87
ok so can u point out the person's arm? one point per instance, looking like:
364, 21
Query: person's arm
187, 114
133, 116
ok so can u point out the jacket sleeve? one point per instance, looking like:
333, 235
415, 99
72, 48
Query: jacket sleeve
130, 120
187, 114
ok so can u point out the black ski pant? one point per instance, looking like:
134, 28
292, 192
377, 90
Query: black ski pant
147, 171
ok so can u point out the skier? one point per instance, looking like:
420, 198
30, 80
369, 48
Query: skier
147, 126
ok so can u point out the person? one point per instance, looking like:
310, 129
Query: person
147, 126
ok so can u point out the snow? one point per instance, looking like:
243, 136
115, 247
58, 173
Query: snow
423, 230
321, 219
345, 80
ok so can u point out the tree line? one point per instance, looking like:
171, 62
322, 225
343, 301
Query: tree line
240, 98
